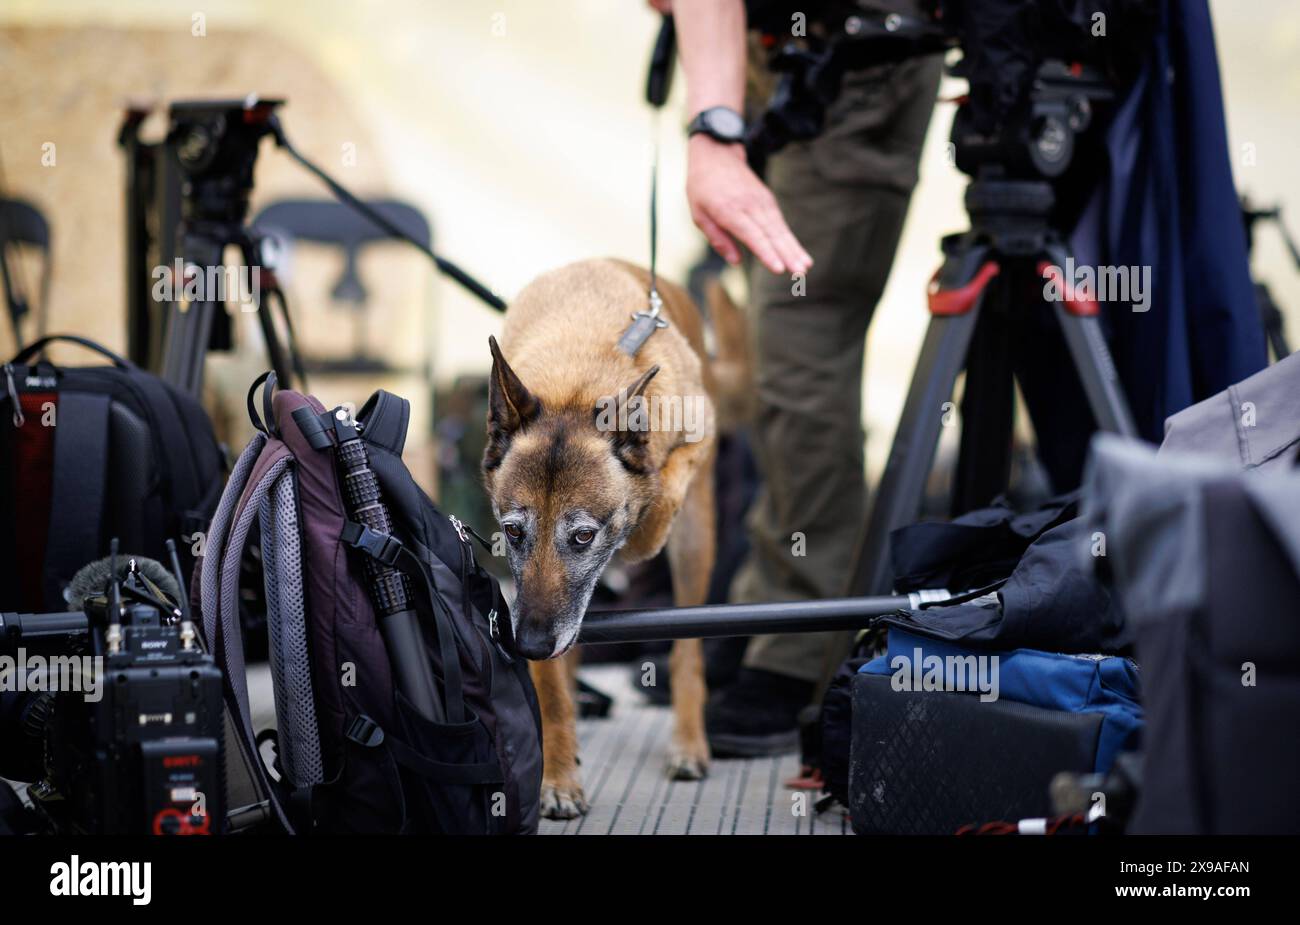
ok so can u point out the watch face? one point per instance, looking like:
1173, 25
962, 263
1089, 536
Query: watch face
726, 123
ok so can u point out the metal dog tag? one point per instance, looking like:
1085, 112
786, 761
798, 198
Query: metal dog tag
643, 325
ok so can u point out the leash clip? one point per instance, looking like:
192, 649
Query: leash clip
643, 325
656, 309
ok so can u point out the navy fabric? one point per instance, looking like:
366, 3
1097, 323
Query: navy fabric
979, 547
1073, 683
1051, 600
1169, 204
1040, 564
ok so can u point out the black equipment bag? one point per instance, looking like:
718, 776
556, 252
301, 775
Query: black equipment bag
935, 762
89, 453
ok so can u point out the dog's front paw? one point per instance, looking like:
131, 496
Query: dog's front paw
563, 800
688, 762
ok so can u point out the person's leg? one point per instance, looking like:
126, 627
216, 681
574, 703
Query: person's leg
845, 196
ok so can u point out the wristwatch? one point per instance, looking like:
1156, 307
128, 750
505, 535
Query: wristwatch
721, 123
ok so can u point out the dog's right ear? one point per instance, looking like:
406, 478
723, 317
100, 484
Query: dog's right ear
510, 407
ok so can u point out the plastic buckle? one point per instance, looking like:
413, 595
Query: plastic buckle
383, 547
365, 732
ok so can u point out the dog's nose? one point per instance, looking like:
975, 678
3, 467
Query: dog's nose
534, 641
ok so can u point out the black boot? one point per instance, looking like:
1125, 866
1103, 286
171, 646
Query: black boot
756, 715
722, 659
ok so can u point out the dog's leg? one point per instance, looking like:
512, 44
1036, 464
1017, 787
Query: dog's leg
562, 796
690, 556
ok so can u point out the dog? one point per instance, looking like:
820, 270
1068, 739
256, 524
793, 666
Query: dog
592, 453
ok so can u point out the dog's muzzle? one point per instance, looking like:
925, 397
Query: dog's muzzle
537, 641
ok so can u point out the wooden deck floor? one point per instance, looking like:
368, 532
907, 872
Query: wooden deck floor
630, 794
623, 775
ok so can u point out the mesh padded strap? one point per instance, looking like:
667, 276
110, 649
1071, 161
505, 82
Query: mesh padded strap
219, 594
230, 634
215, 544
286, 616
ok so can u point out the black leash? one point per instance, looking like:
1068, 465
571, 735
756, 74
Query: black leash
658, 82
443, 264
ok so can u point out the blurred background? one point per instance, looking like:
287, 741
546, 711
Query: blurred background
517, 128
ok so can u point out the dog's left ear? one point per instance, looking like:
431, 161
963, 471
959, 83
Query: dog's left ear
631, 433
510, 407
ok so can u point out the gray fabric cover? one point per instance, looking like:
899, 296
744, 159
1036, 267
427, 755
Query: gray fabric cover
295, 705
1205, 557
1149, 506
1255, 423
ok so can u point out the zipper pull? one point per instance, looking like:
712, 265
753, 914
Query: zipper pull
494, 633
465, 532
19, 420
459, 528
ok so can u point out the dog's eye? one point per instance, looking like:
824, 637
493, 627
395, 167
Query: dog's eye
584, 536
514, 531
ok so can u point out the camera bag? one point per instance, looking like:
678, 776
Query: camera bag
93, 452
352, 754
931, 754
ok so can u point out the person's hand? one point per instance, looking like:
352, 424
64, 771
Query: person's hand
661, 6
727, 198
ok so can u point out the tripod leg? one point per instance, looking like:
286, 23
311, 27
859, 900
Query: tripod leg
1082, 328
898, 498
988, 403
189, 329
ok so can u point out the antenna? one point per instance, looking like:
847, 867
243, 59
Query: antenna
113, 635
188, 633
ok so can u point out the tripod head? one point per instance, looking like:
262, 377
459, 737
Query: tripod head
1036, 75
1039, 140
215, 144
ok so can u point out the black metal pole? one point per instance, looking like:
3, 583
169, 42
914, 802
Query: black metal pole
737, 619
140, 187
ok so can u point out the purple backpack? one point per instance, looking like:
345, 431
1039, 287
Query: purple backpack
352, 753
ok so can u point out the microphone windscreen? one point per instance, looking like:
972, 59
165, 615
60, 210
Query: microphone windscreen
93, 579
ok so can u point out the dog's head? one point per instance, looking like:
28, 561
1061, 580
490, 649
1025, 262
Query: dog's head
567, 494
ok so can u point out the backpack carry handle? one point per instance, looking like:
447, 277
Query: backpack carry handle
38, 347
266, 426
386, 417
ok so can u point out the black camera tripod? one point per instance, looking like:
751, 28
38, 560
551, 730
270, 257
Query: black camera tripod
1011, 240
215, 145
203, 172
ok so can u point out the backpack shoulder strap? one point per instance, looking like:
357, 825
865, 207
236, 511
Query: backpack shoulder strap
78, 487
177, 422
385, 418
207, 572
257, 469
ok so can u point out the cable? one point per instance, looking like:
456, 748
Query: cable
1026, 826
291, 339
444, 265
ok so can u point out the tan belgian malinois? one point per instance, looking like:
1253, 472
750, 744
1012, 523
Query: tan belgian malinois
593, 453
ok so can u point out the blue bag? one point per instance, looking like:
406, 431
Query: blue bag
1104, 684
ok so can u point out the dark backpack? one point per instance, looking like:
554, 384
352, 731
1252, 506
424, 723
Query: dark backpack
89, 453
352, 754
